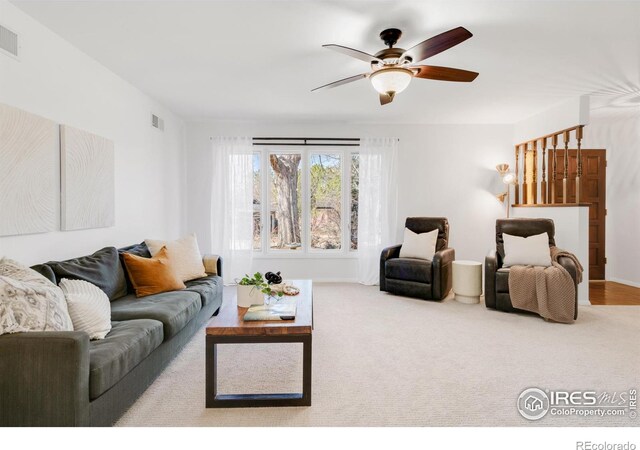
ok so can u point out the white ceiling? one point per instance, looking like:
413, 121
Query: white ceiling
260, 59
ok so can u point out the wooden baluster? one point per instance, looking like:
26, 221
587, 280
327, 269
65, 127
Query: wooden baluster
566, 167
543, 184
534, 181
525, 178
516, 187
579, 163
554, 166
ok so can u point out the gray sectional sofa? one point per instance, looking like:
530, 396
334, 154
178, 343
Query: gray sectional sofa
64, 379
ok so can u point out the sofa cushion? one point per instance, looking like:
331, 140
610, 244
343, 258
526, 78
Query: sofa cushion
140, 249
102, 269
45, 271
409, 269
502, 279
210, 288
174, 309
126, 345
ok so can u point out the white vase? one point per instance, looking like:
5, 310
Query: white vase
249, 295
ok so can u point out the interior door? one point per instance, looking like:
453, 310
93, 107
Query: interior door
594, 167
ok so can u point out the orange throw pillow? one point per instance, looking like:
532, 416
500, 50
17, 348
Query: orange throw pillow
152, 275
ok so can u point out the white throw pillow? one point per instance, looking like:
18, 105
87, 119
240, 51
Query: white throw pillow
29, 301
421, 246
184, 254
529, 251
89, 307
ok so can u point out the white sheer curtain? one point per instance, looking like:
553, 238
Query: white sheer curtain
377, 204
232, 205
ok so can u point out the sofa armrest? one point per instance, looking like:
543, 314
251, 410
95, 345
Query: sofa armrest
570, 266
490, 269
44, 379
442, 272
387, 253
443, 257
212, 264
390, 252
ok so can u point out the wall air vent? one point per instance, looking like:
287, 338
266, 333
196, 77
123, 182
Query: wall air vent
157, 122
8, 42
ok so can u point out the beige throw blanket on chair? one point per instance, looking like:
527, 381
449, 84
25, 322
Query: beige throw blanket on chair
548, 291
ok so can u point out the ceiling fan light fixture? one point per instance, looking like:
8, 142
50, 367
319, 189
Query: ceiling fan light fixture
390, 73
391, 80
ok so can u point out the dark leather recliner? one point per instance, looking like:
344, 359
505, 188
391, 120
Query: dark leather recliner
420, 278
496, 277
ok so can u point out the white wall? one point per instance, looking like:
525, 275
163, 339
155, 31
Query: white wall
55, 80
566, 114
619, 134
444, 170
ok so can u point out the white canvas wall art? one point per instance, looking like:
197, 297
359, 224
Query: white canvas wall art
87, 180
28, 172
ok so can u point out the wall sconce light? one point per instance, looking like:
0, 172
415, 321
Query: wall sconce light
502, 169
508, 178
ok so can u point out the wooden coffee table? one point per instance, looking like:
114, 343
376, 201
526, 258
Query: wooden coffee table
229, 328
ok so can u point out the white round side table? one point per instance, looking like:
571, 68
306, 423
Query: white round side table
467, 281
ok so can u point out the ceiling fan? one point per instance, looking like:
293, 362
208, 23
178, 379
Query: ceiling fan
393, 68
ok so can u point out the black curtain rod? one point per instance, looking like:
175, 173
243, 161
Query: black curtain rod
304, 139
305, 144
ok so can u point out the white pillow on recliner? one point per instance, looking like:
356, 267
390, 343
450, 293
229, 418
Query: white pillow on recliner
526, 251
421, 246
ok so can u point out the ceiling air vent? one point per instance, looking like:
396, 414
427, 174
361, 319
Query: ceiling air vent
8, 42
157, 122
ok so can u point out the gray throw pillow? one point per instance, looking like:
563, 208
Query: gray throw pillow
102, 269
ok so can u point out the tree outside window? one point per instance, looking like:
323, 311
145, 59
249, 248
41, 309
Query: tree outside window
318, 184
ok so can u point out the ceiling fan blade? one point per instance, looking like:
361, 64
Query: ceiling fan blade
341, 82
386, 98
437, 44
352, 52
444, 73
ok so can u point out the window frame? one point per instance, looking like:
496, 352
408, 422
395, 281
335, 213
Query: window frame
306, 251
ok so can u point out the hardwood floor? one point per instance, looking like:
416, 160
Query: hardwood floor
611, 293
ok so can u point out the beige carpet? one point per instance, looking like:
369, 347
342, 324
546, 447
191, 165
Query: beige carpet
384, 360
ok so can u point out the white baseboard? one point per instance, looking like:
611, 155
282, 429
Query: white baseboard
628, 283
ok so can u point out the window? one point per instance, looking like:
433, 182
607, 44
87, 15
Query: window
307, 200
285, 211
353, 197
325, 197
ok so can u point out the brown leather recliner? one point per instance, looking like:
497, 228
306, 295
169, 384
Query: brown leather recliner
496, 277
419, 278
